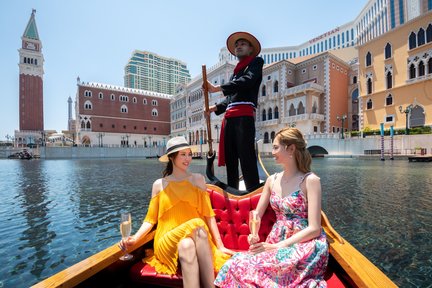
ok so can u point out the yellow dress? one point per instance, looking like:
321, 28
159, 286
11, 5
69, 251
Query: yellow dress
178, 210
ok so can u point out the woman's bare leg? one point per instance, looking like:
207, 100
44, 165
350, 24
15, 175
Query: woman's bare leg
189, 262
205, 260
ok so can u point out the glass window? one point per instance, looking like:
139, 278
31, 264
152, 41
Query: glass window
412, 71
389, 80
369, 104
429, 33
401, 12
368, 59
421, 37
388, 52
389, 100
264, 115
421, 68
412, 41
369, 86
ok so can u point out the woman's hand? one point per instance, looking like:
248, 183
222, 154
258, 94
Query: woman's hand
252, 239
226, 250
261, 247
126, 243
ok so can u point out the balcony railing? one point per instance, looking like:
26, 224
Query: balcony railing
304, 88
303, 117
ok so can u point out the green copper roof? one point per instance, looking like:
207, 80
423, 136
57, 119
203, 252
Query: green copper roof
31, 31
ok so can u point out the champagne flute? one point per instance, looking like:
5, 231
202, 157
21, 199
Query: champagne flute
125, 229
254, 223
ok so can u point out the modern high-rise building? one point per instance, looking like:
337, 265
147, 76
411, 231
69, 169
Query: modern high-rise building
376, 18
31, 124
152, 72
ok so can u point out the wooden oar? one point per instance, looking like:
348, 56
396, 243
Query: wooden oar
207, 114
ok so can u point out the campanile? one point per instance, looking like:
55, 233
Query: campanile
31, 79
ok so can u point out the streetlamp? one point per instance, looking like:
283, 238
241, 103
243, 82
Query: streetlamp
127, 140
217, 133
407, 111
100, 136
342, 118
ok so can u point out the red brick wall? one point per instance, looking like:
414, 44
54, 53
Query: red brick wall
106, 114
338, 93
31, 103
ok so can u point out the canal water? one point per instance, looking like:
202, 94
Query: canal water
54, 213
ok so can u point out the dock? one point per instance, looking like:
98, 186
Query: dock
420, 159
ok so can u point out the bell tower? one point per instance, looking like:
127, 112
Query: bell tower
31, 79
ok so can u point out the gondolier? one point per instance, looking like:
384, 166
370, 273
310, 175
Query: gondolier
237, 138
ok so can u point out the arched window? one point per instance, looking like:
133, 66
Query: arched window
155, 112
314, 107
112, 97
429, 33
276, 112
82, 124
388, 51
123, 109
369, 86
87, 93
412, 71
389, 100
354, 79
430, 66
154, 103
88, 125
276, 87
134, 100
100, 95
272, 136
88, 105
270, 114
300, 109
263, 90
412, 41
421, 69
421, 37
389, 80
417, 116
266, 137
369, 104
292, 110
368, 59
264, 115
145, 101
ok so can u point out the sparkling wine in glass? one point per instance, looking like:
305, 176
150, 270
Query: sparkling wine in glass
254, 222
125, 229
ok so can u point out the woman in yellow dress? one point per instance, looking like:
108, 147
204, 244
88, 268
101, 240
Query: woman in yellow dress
186, 231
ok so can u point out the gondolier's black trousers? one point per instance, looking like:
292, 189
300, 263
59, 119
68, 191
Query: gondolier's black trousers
240, 145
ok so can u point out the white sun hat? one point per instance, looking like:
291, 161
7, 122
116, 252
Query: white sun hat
173, 145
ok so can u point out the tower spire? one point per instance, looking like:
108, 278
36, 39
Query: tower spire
31, 31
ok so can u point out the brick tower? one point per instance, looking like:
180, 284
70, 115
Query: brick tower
31, 79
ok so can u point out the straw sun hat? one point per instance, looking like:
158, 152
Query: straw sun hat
173, 145
234, 37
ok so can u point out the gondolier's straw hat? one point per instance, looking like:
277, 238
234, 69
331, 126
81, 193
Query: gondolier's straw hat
173, 145
234, 37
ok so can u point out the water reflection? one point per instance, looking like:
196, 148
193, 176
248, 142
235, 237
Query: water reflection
58, 212
34, 203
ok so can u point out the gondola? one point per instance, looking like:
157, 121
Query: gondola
347, 267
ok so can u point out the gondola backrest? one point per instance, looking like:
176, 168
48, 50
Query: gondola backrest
232, 217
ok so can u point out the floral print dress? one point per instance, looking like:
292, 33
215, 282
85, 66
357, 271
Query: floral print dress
299, 265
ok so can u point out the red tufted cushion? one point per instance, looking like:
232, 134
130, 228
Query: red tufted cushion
232, 217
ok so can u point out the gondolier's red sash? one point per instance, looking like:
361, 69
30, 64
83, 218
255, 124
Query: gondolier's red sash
235, 111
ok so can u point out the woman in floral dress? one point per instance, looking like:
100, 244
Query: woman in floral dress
295, 253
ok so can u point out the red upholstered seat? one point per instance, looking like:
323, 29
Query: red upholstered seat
232, 216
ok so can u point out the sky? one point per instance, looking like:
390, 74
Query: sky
94, 39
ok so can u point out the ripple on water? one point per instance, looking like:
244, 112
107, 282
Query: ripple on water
57, 213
